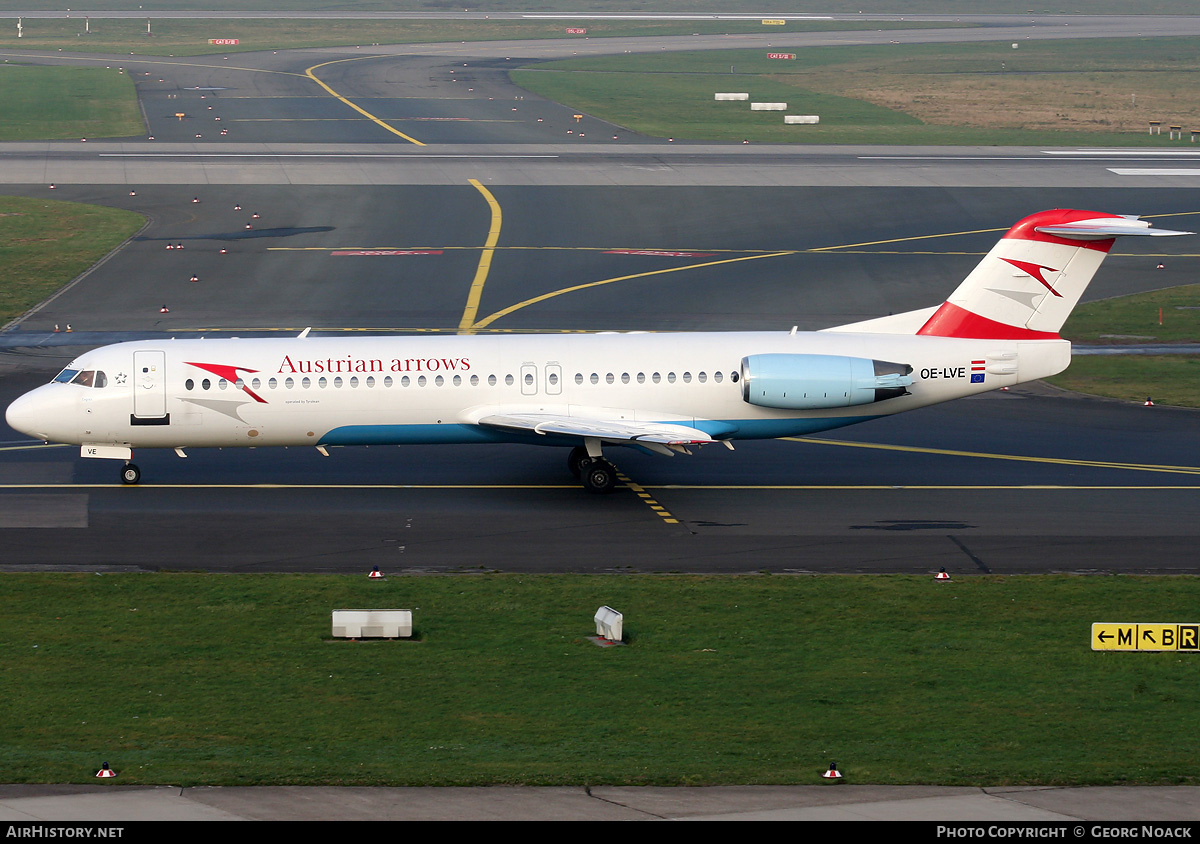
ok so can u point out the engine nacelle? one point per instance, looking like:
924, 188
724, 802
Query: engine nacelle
812, 382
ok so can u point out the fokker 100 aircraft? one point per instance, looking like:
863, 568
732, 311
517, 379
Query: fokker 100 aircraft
663, 393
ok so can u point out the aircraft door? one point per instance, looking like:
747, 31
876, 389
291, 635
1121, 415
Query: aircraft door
529, 379
150, 385
553, 379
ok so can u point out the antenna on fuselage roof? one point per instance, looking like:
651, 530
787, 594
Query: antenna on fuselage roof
304, 333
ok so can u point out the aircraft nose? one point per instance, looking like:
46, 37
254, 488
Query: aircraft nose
25, 415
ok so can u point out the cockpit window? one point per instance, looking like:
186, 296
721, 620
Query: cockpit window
84, 378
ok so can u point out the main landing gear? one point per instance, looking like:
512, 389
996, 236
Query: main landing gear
130, 474
598, 475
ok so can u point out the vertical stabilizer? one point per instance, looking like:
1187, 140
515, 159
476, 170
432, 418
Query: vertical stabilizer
1027, 286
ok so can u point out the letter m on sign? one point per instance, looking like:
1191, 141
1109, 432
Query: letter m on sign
1125, 636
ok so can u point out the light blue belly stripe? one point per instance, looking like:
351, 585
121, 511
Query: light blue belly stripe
424, 434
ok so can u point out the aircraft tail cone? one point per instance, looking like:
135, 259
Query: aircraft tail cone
942, 576
833, 773
105, 771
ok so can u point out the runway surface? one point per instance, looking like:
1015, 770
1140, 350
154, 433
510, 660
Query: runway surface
596, 234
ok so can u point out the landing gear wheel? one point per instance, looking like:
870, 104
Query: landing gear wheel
130, 474
577, 459
599, 476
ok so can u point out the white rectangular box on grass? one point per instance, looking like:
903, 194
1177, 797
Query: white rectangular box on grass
732, 96
801, 118
768, 106
610, 624
372, 624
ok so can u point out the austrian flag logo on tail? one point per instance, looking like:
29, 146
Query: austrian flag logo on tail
230, 374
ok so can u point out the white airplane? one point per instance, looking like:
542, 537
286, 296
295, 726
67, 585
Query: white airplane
662, 393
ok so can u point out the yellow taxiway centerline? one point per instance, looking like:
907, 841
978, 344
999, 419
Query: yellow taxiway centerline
309, 73
467, 324
1060, 461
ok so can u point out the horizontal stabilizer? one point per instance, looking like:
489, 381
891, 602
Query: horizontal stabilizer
1106, 227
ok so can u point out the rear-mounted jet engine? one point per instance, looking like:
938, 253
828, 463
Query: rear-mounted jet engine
811, 382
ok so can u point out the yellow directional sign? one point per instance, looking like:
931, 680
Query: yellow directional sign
773, 22
1129, 636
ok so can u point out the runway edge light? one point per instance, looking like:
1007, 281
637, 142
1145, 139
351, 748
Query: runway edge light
105, 771
375, 574
833, 773
942, 576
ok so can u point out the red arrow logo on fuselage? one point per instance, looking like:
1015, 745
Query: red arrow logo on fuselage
230, 374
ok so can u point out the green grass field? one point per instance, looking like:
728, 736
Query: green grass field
1168, 379
1134, 320
46, 243
1170, 315
1095, 92
234, 679
54, 103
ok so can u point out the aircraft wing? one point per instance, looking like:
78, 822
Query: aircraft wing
662, 437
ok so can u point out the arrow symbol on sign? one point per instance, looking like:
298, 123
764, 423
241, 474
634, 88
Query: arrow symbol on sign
1104, 637
1149, 634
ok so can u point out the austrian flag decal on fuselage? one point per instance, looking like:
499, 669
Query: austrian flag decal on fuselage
978, 368
230, 374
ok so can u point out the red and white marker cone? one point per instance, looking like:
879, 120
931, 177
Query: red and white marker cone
942, 576
833, 773
194, 278
375, 574
164, 310
105, 772
1149, 402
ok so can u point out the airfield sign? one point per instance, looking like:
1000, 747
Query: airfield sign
1128, 636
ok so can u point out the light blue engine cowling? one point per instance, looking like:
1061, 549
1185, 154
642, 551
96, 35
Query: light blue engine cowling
811, 382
